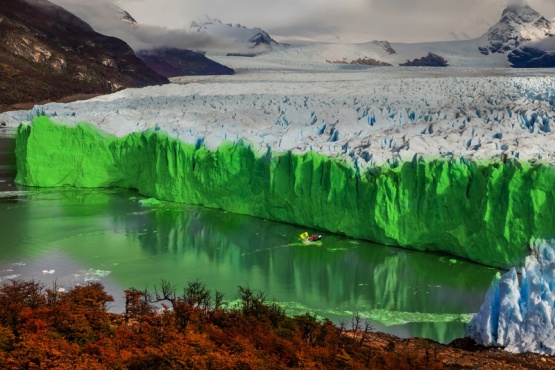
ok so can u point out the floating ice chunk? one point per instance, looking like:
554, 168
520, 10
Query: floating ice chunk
518, 314
10, 277
95, 275
48, 271
149, 202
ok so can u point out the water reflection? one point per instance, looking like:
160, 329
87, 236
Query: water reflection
342, 270
130, 242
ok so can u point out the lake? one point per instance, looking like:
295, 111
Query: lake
115, 236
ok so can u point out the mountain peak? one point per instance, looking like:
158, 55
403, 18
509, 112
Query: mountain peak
518, 24
239, 38
518, 9
520, 13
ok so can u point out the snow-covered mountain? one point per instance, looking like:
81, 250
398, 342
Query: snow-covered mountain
165, 51
518, 27
240, 39
518, 24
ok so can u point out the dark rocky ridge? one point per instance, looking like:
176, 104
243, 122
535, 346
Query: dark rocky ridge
528, 57
47, 53
173, 62
366, 61
385, 45
261, 38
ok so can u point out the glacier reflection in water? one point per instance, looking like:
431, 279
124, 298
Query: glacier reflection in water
77, 235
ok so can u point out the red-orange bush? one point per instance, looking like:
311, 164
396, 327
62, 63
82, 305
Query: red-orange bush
44, 328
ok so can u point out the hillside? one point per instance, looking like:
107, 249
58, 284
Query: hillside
179, 62
46, 54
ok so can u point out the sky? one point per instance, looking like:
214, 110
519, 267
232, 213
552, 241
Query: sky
324, 20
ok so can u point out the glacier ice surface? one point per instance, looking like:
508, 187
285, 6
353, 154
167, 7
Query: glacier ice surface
374, 117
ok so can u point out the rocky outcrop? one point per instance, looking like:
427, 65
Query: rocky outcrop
366, 61
417, 353
261, 38
528, 57
430, 60
47, 53
385, 45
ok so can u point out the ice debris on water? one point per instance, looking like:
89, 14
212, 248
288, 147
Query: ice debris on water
518, 313
95, 275
10, 277
149, 202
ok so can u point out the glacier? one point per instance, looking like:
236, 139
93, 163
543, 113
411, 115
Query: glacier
517, 313
457, 161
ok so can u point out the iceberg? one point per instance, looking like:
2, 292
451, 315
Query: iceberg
517, 313
456, 163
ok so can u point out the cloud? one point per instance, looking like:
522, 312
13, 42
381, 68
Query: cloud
516, 2
103, 16
396, 20
352, 20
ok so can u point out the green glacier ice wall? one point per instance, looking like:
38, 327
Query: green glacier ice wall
486, 212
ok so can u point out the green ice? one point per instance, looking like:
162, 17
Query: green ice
485, 211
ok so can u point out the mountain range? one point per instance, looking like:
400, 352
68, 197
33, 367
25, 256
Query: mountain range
47, 53
521, 38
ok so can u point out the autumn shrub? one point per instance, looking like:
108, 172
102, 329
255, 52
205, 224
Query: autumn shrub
46, 328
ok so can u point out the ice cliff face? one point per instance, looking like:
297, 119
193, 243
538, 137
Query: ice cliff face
461, 164
518, 312
483, 212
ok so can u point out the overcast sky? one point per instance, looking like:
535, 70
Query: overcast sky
348, 20
394, 20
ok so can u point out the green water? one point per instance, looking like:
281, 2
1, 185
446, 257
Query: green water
76, 235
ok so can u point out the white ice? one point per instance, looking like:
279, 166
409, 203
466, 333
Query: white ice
517, 313
373, 116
